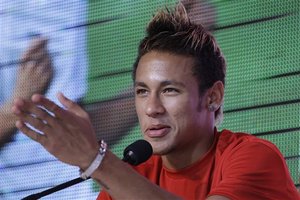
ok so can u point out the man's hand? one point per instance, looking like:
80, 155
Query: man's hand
66, 134
35, 71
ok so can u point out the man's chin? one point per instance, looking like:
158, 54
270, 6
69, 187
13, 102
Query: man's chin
160, 151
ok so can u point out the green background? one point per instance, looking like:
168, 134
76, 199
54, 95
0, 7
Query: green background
260, 40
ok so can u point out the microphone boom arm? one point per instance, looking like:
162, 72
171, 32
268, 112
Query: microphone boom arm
135, 154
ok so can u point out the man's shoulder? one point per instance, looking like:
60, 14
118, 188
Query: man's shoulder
243, 161
229, 141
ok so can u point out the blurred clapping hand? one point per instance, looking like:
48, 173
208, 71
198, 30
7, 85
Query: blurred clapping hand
34, 76
35, 71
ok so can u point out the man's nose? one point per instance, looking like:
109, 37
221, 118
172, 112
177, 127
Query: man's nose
154, 106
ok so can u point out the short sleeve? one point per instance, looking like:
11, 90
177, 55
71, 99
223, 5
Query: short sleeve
255, 170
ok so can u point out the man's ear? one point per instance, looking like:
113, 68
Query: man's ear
215, 96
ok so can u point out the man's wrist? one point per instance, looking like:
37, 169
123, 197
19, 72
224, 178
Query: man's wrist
96, 162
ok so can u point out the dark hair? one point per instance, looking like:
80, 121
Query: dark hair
172, 31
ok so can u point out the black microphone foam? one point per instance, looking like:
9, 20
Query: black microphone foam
137, 152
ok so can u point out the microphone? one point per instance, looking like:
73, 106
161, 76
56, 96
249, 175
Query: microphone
137, 152
134, 154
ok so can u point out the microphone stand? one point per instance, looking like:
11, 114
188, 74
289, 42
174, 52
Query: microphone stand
136, 153
55, 189
60, 186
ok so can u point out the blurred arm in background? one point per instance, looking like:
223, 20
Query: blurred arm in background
33, 76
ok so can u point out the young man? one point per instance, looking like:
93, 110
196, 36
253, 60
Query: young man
179, 88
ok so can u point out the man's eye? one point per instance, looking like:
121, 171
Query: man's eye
170, 90
140, 91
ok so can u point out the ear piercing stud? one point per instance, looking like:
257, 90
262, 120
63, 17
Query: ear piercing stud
212, 107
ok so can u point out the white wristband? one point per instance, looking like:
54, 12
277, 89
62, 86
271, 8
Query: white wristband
96, 163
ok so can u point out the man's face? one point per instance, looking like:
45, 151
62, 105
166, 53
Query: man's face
171, 113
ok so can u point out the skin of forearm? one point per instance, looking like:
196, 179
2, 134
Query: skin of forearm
122, 182
7, 123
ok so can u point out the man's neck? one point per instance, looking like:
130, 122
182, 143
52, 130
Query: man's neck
189, 154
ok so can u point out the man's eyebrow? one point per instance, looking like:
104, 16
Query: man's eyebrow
141, 84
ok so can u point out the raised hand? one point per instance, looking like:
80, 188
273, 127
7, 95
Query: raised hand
35, 71
66, 134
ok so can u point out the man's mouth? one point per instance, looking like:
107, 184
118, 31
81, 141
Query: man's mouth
157, 131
